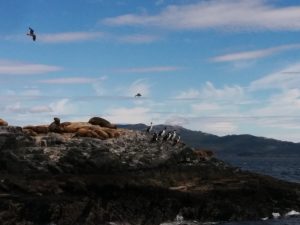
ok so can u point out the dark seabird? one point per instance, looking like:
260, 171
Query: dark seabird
154, 137
167, 136
176, 141
32, 34
138, 95
162, 133
149, 129
173, 135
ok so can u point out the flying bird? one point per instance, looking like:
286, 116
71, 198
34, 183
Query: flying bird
138, 95
32, 34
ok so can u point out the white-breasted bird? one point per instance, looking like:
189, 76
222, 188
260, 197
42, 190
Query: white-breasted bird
154, 137
167, 136
162, 133
149, 129
176, 141
173, 135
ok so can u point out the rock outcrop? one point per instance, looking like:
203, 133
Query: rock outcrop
62, 178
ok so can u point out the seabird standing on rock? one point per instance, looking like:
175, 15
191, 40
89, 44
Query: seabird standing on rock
154, 137
167, 136
162, 133
176, 141
173, 135
149, 129
32, 34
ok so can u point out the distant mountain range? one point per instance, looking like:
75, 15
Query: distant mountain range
235, 145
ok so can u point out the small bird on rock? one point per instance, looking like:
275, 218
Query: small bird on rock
149, 129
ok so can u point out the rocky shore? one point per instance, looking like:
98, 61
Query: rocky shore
124, 178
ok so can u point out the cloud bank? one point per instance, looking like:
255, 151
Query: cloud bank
236, 15
8, 67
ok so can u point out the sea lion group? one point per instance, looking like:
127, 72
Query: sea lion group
97, 127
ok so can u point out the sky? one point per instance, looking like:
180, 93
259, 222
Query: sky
218, 66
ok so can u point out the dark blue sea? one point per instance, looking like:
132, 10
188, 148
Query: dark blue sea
284, 168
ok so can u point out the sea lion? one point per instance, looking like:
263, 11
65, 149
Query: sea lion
85, 132
102, 122
55, 126
3, 123
40, 129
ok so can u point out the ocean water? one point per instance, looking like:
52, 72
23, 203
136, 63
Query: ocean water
282, 221
285, 168
286, 221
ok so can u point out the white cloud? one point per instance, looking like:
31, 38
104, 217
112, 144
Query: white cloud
31, 92
138, 38
40, 109
218, 126
159, 2
283, 79
232, 93
210, 92
251, 55
285, 104
8, 67
72, 80
189, 94
60, 107
205, 107
177, 121
69, 37
219, 14
129, 115
99, 88
139, 86
154, 69
63, 107
14, 108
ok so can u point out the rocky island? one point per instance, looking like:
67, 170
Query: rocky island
95, 173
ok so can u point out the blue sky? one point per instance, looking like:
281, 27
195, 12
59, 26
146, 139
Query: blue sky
219, 66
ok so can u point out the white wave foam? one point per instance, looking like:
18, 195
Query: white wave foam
293, 213
275, 215
179, 218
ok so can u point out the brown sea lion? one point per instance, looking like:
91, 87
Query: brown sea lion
55, 126
3, 123
85, 132
40, 129
102, 122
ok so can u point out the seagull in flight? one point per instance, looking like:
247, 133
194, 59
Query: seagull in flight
32, 34
138, 95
